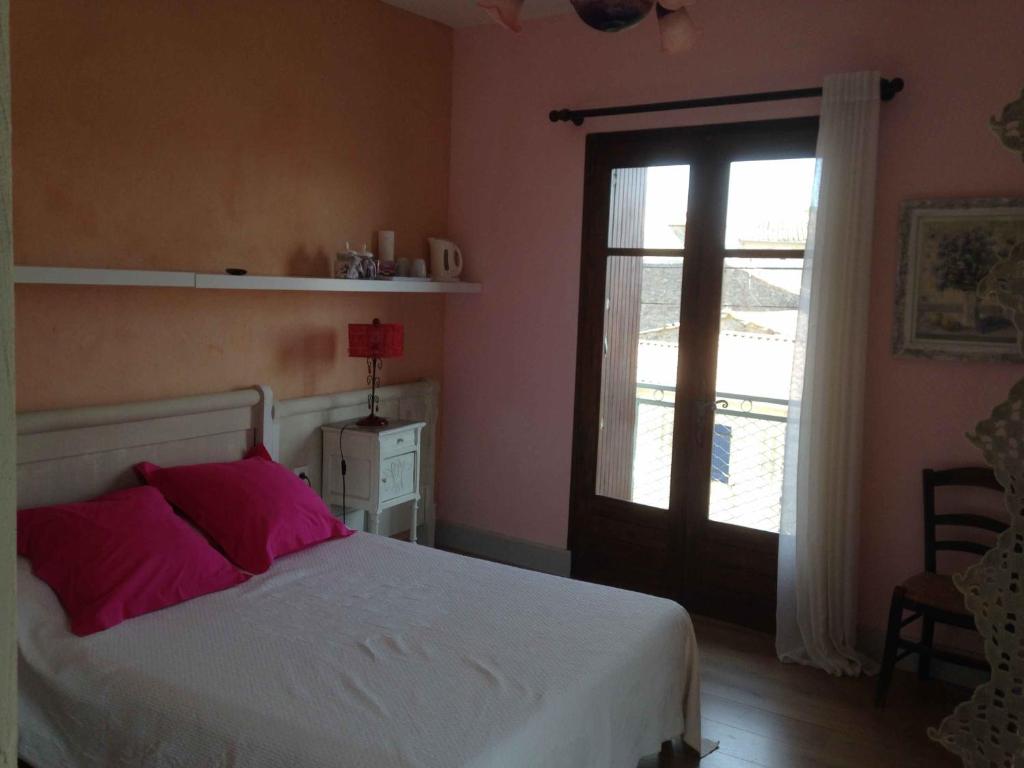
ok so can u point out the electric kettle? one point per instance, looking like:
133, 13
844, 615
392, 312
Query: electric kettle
445, 259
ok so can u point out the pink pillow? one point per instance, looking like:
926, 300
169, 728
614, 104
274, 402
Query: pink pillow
119, 556
254, 509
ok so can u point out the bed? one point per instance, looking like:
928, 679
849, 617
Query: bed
363, 651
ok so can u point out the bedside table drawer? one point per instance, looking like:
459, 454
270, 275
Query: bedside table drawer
397, 442
397, 476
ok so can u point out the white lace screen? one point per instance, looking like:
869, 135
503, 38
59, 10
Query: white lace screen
988, 729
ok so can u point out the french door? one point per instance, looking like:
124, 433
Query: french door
690, 277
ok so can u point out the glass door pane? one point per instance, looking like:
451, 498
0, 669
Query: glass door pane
648, 207
769, 204
638, 378
760, 299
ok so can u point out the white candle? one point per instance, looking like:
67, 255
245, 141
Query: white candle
386, 245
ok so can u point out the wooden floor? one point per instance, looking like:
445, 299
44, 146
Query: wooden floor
776, 715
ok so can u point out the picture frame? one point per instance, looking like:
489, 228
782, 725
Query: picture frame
947, 248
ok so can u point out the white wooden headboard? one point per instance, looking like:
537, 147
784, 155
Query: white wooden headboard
80, 453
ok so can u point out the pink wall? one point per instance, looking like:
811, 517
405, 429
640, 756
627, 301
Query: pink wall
515, 207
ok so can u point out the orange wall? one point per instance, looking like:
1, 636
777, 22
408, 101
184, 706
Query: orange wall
202, 134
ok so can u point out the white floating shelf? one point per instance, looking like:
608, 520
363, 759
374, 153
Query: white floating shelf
154, 279
77, 276
257, 283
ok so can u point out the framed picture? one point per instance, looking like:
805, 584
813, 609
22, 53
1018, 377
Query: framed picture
948, 246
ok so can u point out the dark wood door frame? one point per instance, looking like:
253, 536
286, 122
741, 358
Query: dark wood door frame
675, 553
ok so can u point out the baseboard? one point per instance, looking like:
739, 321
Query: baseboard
872, 643
502, 549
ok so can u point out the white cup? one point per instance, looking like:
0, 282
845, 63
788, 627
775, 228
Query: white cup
386, 245
419, 268
403, 267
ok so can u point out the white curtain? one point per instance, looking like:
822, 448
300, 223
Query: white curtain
817, 591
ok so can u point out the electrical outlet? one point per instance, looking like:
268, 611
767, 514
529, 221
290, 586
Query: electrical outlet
300, 471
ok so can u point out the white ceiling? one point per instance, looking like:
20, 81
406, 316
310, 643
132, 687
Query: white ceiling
465, 13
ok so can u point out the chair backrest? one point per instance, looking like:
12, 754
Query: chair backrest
968, 477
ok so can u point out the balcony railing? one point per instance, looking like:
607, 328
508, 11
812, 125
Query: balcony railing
747, 455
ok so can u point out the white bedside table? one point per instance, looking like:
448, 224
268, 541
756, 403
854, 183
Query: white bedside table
383, 468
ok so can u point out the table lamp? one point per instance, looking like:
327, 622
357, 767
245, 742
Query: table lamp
374, 341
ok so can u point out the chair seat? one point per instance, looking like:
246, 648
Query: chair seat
935, 590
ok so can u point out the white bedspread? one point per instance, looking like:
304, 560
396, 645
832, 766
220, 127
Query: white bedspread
363, 652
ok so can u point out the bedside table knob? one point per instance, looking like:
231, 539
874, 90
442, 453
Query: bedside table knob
400, 440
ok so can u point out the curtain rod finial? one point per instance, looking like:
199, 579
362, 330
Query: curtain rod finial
564, 116
891, 87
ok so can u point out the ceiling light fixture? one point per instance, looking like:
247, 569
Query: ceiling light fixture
676, 27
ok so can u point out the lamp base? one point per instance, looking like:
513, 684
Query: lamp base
372, 421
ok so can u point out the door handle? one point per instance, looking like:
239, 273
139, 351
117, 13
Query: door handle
707, 408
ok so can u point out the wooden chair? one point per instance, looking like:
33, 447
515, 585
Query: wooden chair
932, 596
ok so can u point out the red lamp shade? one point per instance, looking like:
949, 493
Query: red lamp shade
375, 340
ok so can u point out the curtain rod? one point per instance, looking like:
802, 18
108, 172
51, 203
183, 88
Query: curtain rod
889, 89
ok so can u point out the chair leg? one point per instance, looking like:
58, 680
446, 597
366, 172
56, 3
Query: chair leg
924, 658
892, 637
